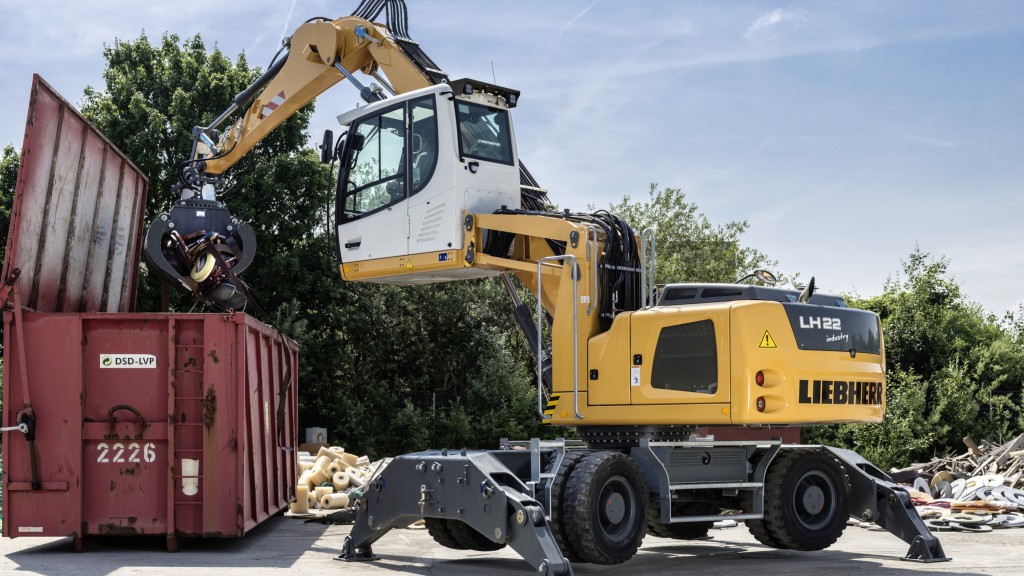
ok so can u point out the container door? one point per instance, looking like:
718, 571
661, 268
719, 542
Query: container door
125, 425
52, 345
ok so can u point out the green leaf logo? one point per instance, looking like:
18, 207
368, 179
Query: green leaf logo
107, 361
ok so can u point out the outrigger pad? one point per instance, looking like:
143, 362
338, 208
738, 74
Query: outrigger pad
922, 550
201, 248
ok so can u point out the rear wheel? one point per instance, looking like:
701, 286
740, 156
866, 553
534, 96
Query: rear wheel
605, 508
470, 539
806, 501
441, 533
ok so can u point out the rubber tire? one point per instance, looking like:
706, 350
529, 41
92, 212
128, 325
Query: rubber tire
440, 531
786, 520
557, 512
594, 482
758, 527
470, 539
679, 530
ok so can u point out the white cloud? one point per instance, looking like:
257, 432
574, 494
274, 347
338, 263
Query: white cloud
774, 18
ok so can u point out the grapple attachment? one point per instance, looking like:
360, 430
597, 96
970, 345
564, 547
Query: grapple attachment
201, 248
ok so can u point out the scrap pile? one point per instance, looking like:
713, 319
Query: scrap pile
331, 480
976, 491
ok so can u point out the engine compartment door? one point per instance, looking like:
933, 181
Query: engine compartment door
680, 355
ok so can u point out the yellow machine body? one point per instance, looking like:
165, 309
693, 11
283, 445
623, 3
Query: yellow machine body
610, 380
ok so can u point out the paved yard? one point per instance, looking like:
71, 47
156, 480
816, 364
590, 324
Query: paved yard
289, 546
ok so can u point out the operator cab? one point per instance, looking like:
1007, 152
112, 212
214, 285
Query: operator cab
412, 165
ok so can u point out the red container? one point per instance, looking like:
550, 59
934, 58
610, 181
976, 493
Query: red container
120, 400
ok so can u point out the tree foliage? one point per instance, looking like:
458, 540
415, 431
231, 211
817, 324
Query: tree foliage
689, 247
953, 370
8, 178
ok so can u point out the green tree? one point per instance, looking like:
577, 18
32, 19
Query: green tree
953, 370
8, 178
689, 247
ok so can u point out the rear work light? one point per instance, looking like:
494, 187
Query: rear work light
760, 404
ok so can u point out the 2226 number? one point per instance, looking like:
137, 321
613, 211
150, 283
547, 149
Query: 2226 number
119, 453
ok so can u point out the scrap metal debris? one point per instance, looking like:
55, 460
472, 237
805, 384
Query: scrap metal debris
978, 491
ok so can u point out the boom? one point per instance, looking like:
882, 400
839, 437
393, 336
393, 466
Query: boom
321, 54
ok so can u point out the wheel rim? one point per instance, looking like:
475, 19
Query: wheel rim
617, 508
814, 500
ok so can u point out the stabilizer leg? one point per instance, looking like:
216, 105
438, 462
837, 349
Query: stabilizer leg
875, 498
478, 488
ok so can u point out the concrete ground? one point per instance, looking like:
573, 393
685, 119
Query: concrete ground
291, 546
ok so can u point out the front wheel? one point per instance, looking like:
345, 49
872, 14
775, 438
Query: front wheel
605, 508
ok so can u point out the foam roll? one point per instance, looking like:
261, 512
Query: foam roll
340, 481
363, 461
334, 501
321, 491
350, 459
354, 478
323, 461
335, 467
301, 504
306, 458
331, 453
318, 476
310, 500
304, 478
303, 466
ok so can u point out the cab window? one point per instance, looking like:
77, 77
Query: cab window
424, 142
483, 132
375, 175
381, 155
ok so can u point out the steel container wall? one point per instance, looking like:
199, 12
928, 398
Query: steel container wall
76, 220
122, 399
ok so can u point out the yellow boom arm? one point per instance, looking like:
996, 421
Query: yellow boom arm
321, 54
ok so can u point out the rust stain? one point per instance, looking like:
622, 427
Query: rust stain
233, 444
113, 486
116, 529
190, 362
213, 356
209, 407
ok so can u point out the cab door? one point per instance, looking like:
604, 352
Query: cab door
679, 355
372, 214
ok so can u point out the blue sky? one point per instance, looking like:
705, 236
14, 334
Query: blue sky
846, 133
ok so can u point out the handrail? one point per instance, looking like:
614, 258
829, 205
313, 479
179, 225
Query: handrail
647, 278
575, 337
593, 257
